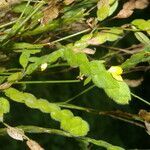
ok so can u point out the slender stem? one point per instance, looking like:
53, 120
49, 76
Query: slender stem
3, 73
128, 121
7, 24
89, 110
14, 69
67, 37
118, 49
102, 143
64, 38
24, 9
139, 98
58, 65
45, 82
91, 9
121, 28
36, 129
81, 93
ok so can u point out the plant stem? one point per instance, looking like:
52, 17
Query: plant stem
121, 28
58, 65
67, 37
3, 73
45, 82
102, 143
139, 98
36, 129
7, 24
117, 49
29, 1
81, 93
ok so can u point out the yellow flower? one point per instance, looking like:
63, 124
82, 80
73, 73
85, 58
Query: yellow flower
116, 72
43, 66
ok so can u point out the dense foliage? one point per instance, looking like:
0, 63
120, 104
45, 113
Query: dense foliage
50, 50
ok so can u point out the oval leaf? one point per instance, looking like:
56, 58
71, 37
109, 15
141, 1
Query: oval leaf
103, 9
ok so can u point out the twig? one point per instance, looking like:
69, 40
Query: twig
81, 93
45, 82
141, 99
67, 37
117, 49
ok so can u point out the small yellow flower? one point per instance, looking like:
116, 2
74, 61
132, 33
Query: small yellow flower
116, 72
43, 66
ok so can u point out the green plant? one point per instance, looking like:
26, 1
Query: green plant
34, 23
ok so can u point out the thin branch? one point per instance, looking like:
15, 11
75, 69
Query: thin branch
45, 82
81, 93
67, 37
141, 99
117, 49
122, 28
7, 24
36, 129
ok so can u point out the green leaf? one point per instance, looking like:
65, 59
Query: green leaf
33, 48
103, 144
20, 8
84, 68
83, 42
2, 78
73, 15
15, 76
142, 24
62, 115
33, 59
113, 34
50, 58
121, 94
106, 35
99, 38
47, 107
142, 38
75, 59
24, 58
15, 28
117, 90
32, 67
147, 49
30, 100
15, 95
71, 57
137, 58
87, 80
100, 77
2, 69
76, 126
4, 105
103, 9
113, 7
